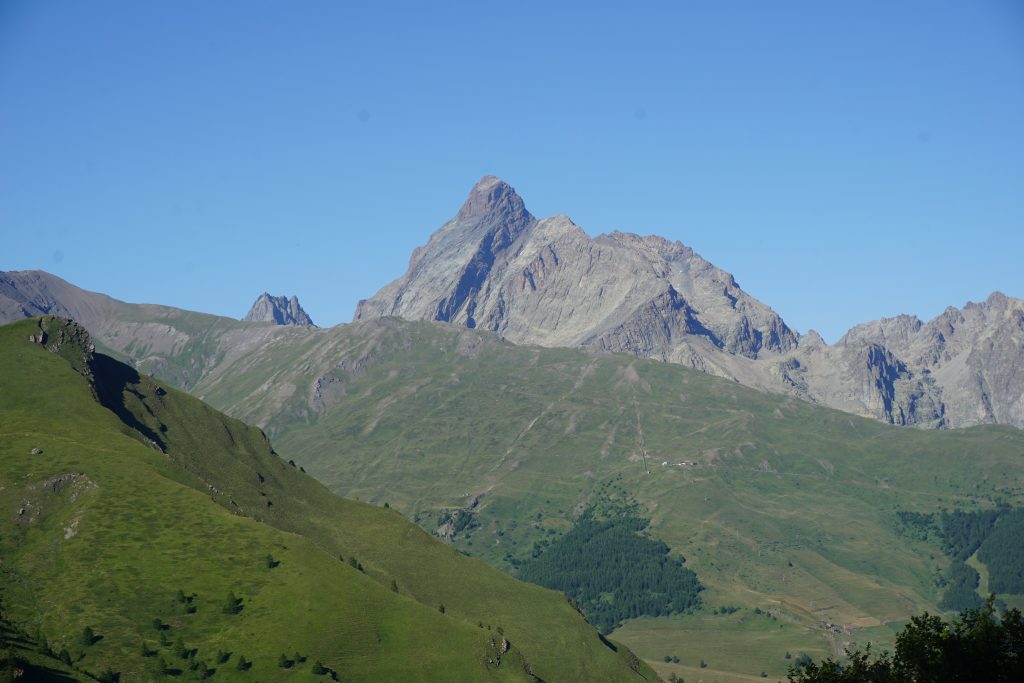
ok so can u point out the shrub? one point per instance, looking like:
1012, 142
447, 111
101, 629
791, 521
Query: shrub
232, 604
109, 676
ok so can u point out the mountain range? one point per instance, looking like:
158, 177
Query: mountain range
495, 266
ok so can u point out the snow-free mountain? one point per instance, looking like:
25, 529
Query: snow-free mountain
495, 266
545, 282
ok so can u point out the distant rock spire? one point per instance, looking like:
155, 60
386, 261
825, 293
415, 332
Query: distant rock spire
278, 310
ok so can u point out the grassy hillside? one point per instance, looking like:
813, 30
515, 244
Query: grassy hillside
782, 506
778, 505
168, 528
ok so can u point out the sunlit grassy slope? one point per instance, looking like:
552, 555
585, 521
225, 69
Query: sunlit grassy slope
781, 505
127, 504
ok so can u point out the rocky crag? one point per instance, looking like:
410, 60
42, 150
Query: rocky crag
277, 310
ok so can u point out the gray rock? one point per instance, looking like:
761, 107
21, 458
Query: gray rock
277, 310
496, 267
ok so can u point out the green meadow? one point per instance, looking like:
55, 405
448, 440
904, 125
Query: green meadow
184, 543
776, 504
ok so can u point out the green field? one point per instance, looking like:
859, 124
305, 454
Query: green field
109, 512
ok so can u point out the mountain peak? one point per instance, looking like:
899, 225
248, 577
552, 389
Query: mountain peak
490, 195
278, 310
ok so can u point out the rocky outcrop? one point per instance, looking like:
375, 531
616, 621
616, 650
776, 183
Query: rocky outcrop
972, 357
277, 310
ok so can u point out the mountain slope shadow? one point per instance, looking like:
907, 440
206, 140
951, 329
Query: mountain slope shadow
113, 380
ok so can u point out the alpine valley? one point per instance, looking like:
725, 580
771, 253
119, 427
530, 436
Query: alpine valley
528, 395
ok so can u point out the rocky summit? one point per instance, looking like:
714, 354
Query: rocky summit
277, 310
495, 266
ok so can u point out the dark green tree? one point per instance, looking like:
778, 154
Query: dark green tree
109, 676
162, 667
232, 604
977, 645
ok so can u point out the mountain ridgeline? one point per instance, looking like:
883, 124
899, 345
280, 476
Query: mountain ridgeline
143, 534
496, 267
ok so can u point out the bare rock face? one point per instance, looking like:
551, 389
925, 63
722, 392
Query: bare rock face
496, 267
277, 310
545, 282
974, 357
28, 294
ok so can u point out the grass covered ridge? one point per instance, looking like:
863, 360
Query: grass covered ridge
109, 517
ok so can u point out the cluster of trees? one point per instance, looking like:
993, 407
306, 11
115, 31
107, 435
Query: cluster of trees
1003, 553
961, 581
612, 572
993, 534
978, 645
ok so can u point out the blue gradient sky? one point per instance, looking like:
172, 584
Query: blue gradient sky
844, 160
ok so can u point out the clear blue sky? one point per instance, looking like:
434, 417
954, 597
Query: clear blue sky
844, 160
